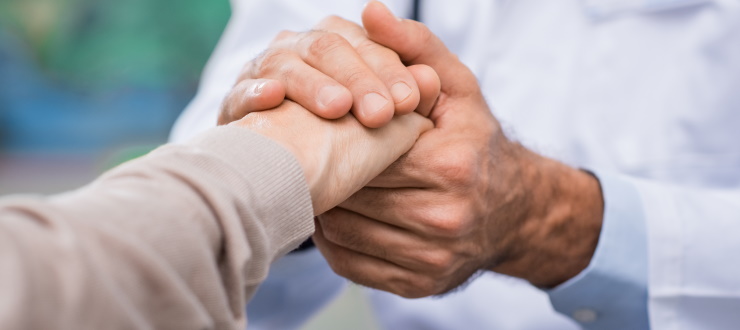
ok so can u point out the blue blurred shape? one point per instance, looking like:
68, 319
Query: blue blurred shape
38, 114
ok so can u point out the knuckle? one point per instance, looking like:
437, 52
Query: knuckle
438, 261
340, 267
323, 43
450, 221
336, 23
458, 167
331, 231
367, 46
331, 20
414, 285
282, 35
423, 287
408, 291
270, 61
355, 77
445, 226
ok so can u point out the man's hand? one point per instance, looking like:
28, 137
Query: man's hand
340, 156
463, 199
331, 70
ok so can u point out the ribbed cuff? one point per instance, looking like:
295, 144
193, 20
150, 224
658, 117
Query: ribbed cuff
273, 174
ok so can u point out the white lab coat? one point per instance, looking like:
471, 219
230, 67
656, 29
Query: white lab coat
648, 89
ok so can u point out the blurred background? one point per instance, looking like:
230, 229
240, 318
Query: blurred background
88, 84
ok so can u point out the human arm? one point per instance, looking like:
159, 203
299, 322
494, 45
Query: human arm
672, 273
252, 26
161, 242
688, 240
465, 198
449, 177
183, 236
611, 293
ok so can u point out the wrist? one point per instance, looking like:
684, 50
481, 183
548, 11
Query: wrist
270, 127
560, 222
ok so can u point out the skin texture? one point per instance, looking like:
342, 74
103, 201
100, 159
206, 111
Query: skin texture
339, 156
329, 75
465, 198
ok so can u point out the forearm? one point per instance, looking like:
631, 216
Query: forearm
180, 238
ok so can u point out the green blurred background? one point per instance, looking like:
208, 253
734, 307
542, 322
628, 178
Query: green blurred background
88, 83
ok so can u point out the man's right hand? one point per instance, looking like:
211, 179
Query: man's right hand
331, 70
465, 198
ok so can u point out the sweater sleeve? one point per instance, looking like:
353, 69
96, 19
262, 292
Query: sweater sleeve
178, 239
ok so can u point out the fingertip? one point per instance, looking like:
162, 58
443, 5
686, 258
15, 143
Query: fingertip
333, 101
376, 120
376, 12
428, 125
406, 97
374, 110
251, 95
429, 87
426, 76
421, 123
270, 93
379, 22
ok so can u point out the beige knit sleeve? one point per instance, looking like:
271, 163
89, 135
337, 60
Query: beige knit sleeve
179, 239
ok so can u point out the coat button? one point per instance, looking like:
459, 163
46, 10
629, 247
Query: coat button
584, 315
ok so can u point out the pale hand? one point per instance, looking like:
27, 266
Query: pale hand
331, 70
338, 156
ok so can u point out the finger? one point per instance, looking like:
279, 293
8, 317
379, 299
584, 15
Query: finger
303, 84
429, 87
422, 211
416, 44
384, 62
402, 174
367, 270
409, 171
399, 136
374, 238
333, 55
251, 95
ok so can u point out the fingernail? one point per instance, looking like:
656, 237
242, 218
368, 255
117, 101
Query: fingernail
328, 94
400, 91
372, 103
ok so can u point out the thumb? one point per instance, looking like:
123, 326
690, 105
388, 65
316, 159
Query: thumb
400, 135
416, 44
250, 95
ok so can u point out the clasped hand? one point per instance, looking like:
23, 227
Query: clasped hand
464, 198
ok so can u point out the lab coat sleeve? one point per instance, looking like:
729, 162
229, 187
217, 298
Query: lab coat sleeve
300, 284
611, 293
691, 280
694, 275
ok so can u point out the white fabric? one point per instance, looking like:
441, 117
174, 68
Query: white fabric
653, 94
